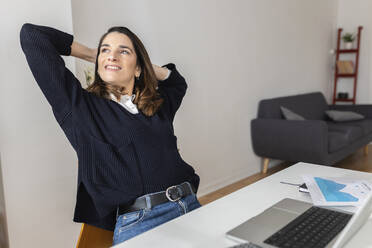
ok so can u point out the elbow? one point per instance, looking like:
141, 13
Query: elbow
26, 29
27, 33
24, 33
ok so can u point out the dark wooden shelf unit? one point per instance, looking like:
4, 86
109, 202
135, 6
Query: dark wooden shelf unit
344, 75
348, 50
353, 75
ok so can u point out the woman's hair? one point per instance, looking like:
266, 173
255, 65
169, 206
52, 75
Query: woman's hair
147, 98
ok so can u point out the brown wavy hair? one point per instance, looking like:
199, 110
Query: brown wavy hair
147, 98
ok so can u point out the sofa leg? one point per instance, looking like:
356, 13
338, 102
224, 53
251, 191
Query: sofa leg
265, 165
365, 150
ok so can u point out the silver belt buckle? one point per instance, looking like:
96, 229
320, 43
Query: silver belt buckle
168, 194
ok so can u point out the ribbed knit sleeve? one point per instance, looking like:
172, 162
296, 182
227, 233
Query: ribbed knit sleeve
173, 89
43, 47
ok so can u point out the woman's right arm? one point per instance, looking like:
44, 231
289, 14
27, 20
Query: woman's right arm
43, 47
82, 52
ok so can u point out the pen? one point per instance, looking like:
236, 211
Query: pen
294, 184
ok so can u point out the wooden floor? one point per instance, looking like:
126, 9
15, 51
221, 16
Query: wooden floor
357, 161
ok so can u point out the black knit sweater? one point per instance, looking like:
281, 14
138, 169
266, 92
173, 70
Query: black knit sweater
121, 155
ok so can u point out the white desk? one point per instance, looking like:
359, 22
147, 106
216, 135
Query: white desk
206, 226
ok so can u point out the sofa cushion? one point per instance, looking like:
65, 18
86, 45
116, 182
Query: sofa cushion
365, 125
352, 133
336, 141
341, 116
290, 115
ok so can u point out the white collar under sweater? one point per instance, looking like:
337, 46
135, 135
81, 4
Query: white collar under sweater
127, 101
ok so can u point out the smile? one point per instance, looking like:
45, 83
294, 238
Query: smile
112, 68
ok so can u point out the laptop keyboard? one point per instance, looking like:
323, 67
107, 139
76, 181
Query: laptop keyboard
314, 228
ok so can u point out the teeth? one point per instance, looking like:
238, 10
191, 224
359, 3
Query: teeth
113, 67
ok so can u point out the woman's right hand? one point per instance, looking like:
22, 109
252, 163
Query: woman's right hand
80, 51
94, 55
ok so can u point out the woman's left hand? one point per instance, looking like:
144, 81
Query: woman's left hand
160, 72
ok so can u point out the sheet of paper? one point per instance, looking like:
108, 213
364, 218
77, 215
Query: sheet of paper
328, 191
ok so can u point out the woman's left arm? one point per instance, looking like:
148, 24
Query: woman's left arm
172, 87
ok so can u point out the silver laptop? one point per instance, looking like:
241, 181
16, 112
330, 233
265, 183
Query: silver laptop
276, 226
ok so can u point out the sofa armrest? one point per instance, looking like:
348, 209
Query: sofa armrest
290, 140
363, 109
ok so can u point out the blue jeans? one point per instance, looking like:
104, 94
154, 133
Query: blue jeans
133, 223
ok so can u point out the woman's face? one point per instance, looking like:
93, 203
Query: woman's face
117, 60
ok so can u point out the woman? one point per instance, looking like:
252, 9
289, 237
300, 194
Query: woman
131, 177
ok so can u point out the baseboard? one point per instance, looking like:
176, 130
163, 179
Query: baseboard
214, 186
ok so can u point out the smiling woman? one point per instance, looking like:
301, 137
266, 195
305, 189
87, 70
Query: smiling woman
131, 177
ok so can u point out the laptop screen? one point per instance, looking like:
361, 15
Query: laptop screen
355, 223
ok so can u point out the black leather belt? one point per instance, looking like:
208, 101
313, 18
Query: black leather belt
173, 193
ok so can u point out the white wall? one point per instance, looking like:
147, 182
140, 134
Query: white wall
352, 14
38, 164
232, 54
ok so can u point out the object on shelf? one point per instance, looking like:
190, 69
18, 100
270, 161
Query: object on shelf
345, 66
343, 95
348, 39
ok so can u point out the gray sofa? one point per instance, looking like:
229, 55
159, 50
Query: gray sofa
317, 139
